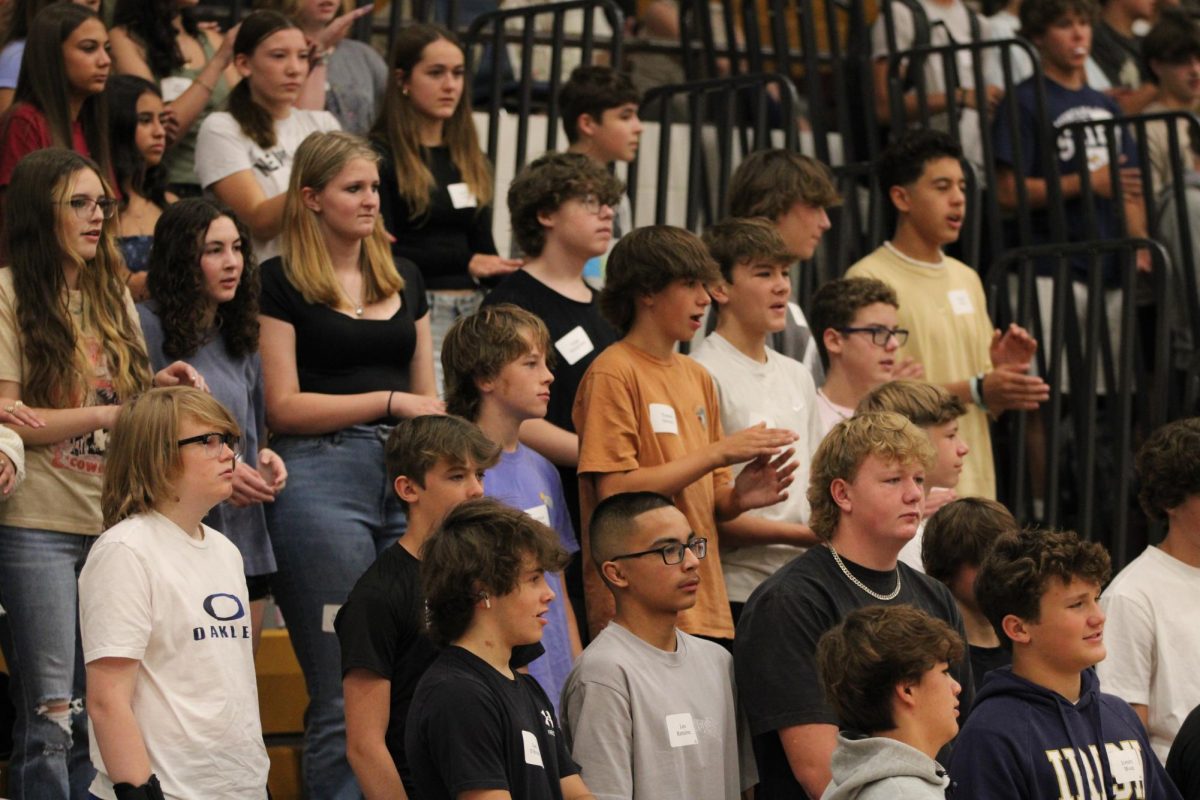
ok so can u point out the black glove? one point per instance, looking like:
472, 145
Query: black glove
150, 790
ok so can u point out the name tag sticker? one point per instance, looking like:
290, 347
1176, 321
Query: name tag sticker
533, 753
574, 345
540, 513
681, 730
662, 419
172, 88
797, 314
328, 614
460, 195
1125, 765
960, 302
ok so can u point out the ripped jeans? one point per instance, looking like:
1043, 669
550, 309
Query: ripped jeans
39, 573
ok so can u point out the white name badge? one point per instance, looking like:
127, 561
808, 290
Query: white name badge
172, 88
960, 302
328, 615
797, 314
575, 345
533, 753
681, 730
540, 513
460, 195
1125, 765
662, 419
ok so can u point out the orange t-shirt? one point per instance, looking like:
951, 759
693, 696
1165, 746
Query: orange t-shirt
633, 410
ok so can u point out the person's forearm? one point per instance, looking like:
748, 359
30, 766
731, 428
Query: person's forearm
64, 423
557, 444
746, 530
961, 390
190, 104
264, 219
312, 93
375, 771
311, 414
666, 479
120, 742
1135, 217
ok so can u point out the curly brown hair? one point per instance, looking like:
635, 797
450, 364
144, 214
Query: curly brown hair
1168, 467
645, 262
1014, 573
481, 546
873, 649
176, 282
960, 533
837, 302
548, 182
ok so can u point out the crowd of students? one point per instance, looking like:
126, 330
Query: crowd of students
452, 470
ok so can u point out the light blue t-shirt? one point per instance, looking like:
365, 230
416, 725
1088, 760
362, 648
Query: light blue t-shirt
10, 63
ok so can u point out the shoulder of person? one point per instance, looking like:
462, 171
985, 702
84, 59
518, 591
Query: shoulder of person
702, 650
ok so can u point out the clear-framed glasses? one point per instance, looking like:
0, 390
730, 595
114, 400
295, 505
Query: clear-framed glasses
213, 442
593, 204
672, 553
82, 205
880, 335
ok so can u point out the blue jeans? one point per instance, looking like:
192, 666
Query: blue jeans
39, 574
337, 514
444, 308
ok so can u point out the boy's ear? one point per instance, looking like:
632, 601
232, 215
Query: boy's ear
406, 489
903, 694
719, 291
546, 219
833, 341
587, 125
1015, 629
900, 199
611, 571
839, 491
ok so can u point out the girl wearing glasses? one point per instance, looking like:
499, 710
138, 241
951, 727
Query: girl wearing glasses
59, 99
345, 352
204, 286
435, 182
71, 348
163, 612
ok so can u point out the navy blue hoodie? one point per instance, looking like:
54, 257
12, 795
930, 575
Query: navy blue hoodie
1023, 740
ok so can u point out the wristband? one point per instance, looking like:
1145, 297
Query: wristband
205, 85
976, 385
150, 790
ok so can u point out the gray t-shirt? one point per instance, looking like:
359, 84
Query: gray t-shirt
354, 84
644, 723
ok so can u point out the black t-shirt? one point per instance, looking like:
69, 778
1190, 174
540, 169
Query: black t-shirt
775, 649
471, 728
1183, 762
1112, 51
442, 241
986, 659
562, 316
336, 354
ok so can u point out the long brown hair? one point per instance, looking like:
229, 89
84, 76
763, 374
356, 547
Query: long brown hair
255, 121
398, 126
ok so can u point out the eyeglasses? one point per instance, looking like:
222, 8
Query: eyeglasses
672, 553
593, 204
213, 442
82, 205
880, 335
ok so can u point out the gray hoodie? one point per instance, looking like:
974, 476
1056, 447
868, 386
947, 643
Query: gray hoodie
878, 768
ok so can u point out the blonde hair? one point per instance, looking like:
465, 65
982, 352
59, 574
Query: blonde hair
886, 435
306, 261
924, 404
142, 462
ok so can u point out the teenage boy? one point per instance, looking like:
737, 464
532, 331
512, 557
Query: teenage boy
757, 384
1118, 51
649, 420
1151, 660
477, 727
956, 539
434, 463
1173, 45
857, 323
642, 670
794, 192
600, 117
935, 411
496, 376
886, 672
942, 304
866, 497
1043, 728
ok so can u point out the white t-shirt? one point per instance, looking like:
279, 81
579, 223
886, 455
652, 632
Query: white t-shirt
178, 605
1153, 641
223, 150
780, 393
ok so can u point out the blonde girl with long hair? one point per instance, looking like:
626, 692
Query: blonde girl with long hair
346, 351
71, 352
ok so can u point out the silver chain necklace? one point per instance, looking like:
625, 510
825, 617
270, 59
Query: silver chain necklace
860, 584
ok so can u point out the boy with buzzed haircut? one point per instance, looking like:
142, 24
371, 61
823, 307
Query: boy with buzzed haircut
886, 672
757, 384
956, 540
496, 376
935, 411
649, 420
478, 728
435, 463
865, 490
942, 304
1152, 654
649, 711
793, 191
1042, 728
858, 332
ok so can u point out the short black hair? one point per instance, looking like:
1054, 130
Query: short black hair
1038, 15
613, 518
592, 90
1174, 39
905, 159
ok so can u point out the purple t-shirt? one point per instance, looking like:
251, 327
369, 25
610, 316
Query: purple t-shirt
524, 479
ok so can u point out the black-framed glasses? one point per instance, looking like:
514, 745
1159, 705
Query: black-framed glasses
880, 335
672, 553
213, 442
593, 204
82, 205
